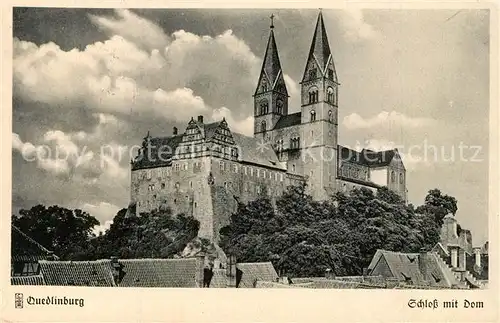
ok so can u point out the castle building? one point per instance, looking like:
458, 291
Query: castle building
208, 168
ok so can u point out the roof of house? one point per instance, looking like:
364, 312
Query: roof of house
27, 280
24, 248
254, 151
358, 181
254, 271
219, 278
289, 120
161, 151
405, 268
159, 272
77, 273
367, 157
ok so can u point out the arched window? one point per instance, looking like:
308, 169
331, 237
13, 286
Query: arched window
330, 95
264, 107
393, 176
313, 94
401, 178
263, 126
313, 115
279, 106
330, 116
264, 86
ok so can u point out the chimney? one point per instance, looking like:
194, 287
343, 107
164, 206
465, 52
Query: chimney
200, 119
231, 271
175, 131
423, 262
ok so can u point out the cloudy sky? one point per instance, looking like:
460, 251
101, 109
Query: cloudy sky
91, 83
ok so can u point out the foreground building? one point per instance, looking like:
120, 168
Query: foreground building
206, 169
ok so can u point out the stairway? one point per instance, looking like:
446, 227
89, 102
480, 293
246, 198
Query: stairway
472, 280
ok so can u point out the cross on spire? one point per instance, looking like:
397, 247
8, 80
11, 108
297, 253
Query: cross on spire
272, 21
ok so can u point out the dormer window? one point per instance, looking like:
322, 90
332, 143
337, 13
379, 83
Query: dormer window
313, 73
330, 74
264, 86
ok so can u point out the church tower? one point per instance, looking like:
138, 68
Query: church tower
271, 95
319, 113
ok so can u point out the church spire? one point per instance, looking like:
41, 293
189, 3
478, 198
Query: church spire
271, 73
320, 52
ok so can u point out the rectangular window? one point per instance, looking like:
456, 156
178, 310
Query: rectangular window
281, 177
251, 171
263, 173
245, 170
221, 166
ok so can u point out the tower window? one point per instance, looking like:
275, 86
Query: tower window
294, 143
313, 95
393, 176
401, 178
264, 86
330, 96
330, 116
313, 73
279, 107
264, 107
313, 115
330, 74
263, 126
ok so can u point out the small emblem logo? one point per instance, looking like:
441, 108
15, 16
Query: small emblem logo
19, 300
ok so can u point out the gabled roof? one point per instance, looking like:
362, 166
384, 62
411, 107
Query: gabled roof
158, 156
159, 272
253, 151
254, 271
27, 280
77, 273
289, 120
367, 157
24, 248
405, 268
219, 278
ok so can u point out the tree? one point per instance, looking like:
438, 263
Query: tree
439, 205
156, 234
303, 237
66, 232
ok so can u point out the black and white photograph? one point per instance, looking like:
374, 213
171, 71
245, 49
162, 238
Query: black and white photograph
292, 148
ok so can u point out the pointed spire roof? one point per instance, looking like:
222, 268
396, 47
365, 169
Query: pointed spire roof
271, 66
320, 48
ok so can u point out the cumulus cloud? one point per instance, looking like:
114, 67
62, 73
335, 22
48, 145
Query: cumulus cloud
102, 211
132, 27
385, 119
354, 25
244, 126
